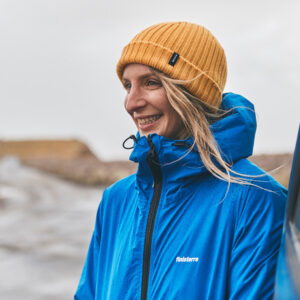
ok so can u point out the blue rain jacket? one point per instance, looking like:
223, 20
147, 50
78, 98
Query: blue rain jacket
174, 231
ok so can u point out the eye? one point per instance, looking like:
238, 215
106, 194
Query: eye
127, 85
152, 82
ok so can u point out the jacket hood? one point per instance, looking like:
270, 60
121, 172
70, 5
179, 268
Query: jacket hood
234, 135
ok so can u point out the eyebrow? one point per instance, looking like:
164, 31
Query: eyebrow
141, 77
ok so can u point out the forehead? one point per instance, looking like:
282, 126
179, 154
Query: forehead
135, 71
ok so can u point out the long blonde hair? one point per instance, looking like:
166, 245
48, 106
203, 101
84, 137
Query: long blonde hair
197, 117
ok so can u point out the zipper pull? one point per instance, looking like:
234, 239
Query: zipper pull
152, 152
153, 161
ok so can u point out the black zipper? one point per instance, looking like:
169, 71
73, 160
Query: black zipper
153, 162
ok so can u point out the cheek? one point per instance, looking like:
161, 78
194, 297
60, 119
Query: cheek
176, 121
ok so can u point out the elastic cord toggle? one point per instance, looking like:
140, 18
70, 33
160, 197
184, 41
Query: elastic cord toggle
132, 137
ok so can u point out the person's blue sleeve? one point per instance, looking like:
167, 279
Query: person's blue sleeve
87, 283
258, 228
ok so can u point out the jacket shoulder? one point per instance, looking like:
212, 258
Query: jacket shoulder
119, 193
256, 176
122, 185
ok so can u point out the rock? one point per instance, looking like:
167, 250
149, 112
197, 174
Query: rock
50, 149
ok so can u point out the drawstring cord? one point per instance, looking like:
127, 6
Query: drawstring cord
132, 137
152, 155
152, 152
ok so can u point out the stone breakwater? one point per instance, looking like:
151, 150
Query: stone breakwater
73, 160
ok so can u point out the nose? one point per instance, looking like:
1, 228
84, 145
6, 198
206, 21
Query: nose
134, 100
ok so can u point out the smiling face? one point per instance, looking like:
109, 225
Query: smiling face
147, 103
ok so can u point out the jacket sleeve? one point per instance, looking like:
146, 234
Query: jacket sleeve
258, 228
87, 282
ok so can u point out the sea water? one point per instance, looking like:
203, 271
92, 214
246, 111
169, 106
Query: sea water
45, 227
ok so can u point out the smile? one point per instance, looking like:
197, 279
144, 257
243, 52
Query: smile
148, 120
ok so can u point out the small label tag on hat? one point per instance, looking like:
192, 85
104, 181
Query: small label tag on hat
173, 59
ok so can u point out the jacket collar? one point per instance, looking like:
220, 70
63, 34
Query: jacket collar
234, 135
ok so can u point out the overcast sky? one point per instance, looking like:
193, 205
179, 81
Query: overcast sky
58, 58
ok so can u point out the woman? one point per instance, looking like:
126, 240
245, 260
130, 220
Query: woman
197, 220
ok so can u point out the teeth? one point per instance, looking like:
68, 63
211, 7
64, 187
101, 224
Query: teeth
148, 120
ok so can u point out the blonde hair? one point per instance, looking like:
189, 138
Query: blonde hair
196, 117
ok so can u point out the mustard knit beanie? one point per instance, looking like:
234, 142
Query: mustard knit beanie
181, 50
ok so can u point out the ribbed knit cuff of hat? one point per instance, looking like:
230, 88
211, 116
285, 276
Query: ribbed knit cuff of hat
183, 51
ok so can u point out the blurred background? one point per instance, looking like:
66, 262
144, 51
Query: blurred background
62, 120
